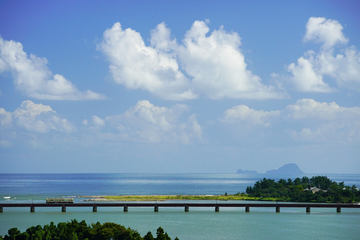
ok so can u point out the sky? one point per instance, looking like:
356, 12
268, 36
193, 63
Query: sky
179, 86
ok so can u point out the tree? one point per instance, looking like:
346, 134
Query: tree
12, 234
161, 235
75, 230
298, 190
148, 236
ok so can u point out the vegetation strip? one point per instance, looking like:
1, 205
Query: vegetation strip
75, 230
182, 197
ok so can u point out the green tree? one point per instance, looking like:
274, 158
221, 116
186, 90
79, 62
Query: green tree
161, 235
12, 234
298, 190
75, 230
149, 236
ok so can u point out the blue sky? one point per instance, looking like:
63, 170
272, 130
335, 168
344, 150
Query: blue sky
204, 86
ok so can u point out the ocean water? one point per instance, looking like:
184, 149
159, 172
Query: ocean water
42, 185
25, 186
199, 223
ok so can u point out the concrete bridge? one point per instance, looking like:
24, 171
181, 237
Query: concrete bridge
185, 205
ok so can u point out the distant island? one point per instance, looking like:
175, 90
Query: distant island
287, 170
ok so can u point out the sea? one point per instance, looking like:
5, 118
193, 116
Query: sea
198, 223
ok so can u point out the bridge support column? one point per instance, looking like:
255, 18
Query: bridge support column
125, 208
63, 209
1, 209
307, 209
247, 209
338, 209
217, 208
156, 208
186, 208
277, 209
94, 208
32, 209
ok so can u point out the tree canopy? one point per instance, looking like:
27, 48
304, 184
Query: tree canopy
75, 230
315, 189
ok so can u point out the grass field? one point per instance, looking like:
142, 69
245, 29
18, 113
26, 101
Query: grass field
181, 197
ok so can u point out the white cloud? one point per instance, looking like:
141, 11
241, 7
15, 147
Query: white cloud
324, 122
342, 132
137, 66
244, 114
146, 122
328, 32
32, 75
309, 108
194, 128
305, 77
96, 122
217, 66
207, 64
5, 118
35, 118
161, 39
99, 122
307, 120
342, 65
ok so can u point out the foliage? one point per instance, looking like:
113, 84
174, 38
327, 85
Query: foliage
75, 230
315, 189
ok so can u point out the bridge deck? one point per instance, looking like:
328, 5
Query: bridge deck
185, 205
190, 204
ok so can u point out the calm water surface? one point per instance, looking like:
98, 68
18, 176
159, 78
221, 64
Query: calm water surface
199, 223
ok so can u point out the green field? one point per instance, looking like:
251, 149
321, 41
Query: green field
183, 197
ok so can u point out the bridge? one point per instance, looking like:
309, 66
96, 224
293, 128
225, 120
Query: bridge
185, 205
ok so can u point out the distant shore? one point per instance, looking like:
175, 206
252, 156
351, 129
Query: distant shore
176, 197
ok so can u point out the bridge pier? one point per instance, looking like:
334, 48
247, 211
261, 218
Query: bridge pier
247, 209
94, 208
277, 209
63, 209
1, 209
307, 209
156, 208
338, 209
32, 209
217, 208
186, 208
125, 208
